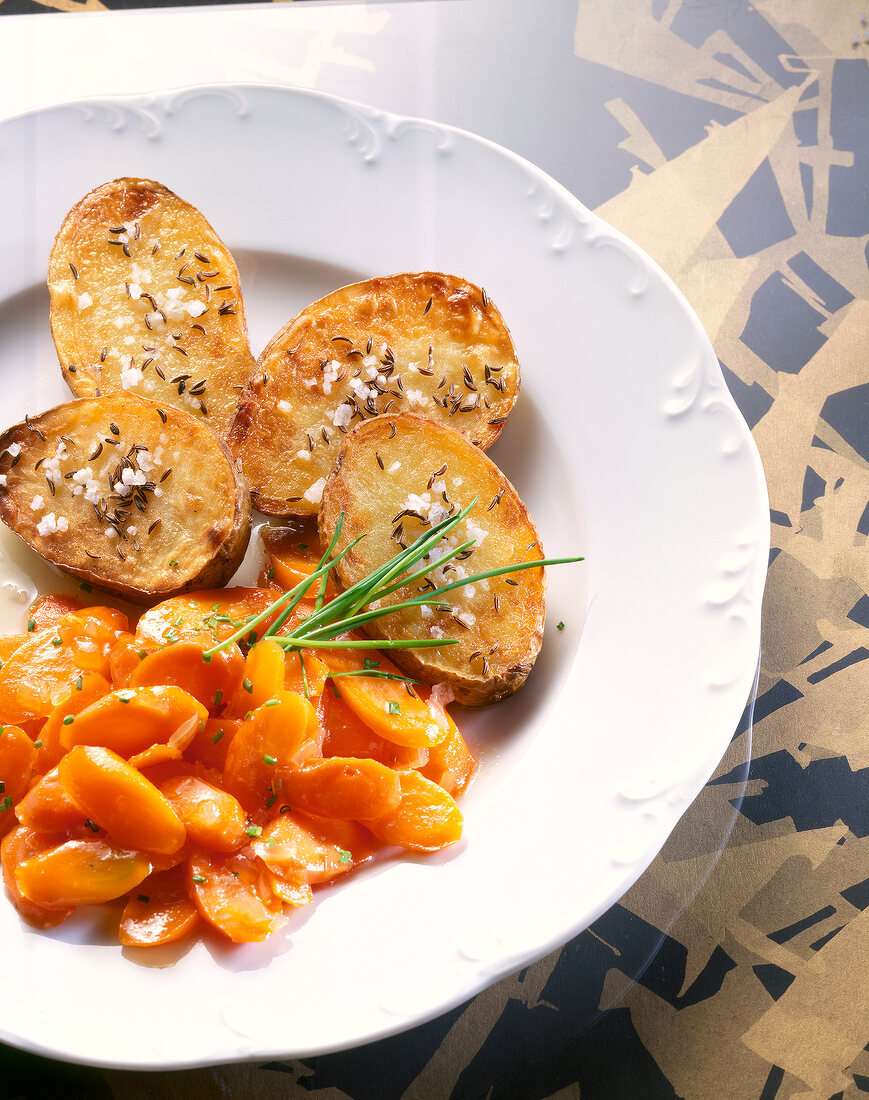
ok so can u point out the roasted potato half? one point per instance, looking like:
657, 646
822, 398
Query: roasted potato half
145, 298
135, 497
425, 342
397, 475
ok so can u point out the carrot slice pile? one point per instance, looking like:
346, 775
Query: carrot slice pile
208, 790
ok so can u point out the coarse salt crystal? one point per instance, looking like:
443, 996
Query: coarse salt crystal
395, 466
85, 301
110, 532
132, 530
196, 308
435, 631
285, 406
426, 611
342, 416
466, 618
304, 454
14, 449
118, 322
2, 479
314, 493
37, 503
369, 361
416, 398
130, 377
47, 525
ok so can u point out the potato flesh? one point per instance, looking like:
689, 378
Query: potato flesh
123, 314
498, 622
426, 342
193, 523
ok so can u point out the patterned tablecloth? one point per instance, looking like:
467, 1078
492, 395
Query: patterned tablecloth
731, 141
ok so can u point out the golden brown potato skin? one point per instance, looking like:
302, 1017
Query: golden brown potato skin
182, 522
421, 341
500, 637
140, 282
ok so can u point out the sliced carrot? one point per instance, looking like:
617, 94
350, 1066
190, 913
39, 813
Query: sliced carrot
183, 665
125, 656
39, 672
47, 611
343, 787
217, 612
9, 644
301, 848
18, 846
47, 807
347, 735
130, 720
451, 764
289, 893
213, 818
263, 673
305, 674
17, 757
274, 737
87, 688
427, 818
160, 911
120, 799
91, 635
81, 872
225, 891
390, 707
211, 744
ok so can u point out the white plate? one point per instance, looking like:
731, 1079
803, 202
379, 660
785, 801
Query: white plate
625, 443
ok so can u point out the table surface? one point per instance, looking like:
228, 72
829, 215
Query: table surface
730, 141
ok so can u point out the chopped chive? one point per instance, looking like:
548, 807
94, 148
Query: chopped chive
143, 898
217, 736
206, 657
271, 573
2, 787
254, 830
92, 825
69, 719
370, 663
272, 799
57, 641
247, 685
126, 696
560, 626
394, 708
271, 842
270, 760
343, 855
7, 803
31, 625
37, 744
78, 684
197, 878
271, 702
